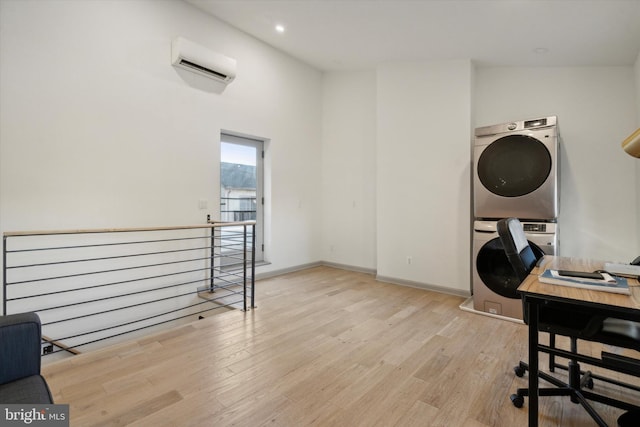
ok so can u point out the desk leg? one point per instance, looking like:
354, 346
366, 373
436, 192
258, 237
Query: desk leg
532, 309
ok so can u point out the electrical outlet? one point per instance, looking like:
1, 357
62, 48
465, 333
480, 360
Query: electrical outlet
47, 349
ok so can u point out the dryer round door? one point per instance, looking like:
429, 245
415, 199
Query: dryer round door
514, 165
495, 270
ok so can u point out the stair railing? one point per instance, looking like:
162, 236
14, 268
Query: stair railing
91, 287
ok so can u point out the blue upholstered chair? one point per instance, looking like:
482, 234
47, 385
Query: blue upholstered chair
20, 379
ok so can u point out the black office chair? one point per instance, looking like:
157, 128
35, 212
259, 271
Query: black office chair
516, 246
575, 325
523, 260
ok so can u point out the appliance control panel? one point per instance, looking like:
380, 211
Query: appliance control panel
535, 123
535, 228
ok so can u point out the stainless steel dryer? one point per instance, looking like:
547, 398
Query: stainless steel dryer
516, 170
494, 281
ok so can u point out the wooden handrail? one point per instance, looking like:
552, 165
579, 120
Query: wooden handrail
213, 224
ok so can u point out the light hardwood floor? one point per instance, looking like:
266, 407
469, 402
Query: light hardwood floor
325, 347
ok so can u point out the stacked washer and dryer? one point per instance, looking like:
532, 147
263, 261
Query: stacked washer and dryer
516, 174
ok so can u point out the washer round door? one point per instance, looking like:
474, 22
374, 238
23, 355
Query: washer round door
514, 165
495, 270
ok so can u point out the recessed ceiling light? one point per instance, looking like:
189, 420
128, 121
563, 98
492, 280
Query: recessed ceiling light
280, 28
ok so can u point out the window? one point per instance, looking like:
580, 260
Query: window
241, 183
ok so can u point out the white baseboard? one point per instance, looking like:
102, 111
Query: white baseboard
425, 286
467, 305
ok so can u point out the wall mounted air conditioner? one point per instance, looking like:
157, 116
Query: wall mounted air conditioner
200, 60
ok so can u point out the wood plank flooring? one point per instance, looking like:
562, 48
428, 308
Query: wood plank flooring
325, 347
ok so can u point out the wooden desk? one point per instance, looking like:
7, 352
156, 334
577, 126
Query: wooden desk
536, 294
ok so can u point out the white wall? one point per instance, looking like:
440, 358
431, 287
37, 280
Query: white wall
423, 173
348, 169
396, 172
596, 109
97, 129
636, 69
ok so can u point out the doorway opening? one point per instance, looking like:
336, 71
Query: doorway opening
242, 184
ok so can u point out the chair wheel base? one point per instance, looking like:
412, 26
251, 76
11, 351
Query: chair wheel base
518, 401
589, 384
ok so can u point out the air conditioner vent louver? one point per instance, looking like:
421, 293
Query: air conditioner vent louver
200, 60
186, 63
